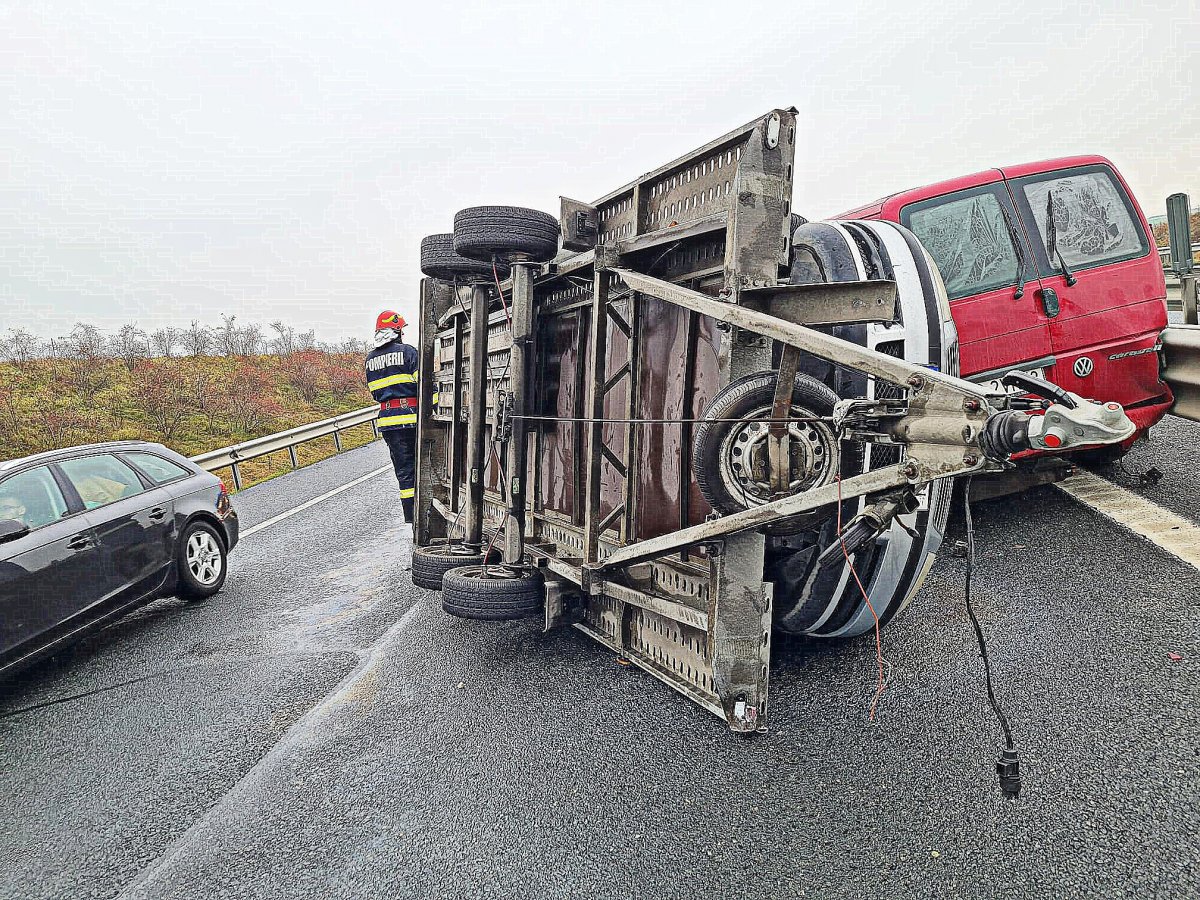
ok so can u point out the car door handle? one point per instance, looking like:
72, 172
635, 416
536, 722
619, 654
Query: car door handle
158, 514
79, 542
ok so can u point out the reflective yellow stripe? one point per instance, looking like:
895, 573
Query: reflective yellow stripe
402, 378
406, 419
407, 493
435, 398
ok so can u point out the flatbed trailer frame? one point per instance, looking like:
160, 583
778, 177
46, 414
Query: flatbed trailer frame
709, 233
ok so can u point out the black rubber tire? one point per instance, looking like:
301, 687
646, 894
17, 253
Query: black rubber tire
440, 261
467, 594
823, 599
505, 232
430, 563
189, 587
738, 399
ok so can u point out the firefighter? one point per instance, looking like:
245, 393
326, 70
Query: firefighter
392, 379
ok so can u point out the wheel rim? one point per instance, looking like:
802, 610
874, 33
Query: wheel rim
744, 460
490, 573
204, 559
450, 551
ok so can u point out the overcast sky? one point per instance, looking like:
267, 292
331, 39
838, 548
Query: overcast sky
164, 162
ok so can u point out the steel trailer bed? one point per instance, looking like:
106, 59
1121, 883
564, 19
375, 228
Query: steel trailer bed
593, 372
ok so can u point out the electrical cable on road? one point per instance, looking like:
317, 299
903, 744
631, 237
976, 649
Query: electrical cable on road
1008, 765
881, 683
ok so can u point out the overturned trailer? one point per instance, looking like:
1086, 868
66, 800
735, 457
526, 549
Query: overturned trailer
701, 420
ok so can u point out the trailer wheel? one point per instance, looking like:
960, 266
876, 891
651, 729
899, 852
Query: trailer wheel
497, 593
505, 232
440, 261
731, 444
824, 600
430, 563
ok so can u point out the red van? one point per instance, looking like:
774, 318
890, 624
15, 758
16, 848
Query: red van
1050, 267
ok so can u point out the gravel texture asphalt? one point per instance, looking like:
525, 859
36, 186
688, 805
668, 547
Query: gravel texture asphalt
322, 729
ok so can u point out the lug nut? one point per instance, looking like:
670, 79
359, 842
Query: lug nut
915, 380
970, 459
909, 470
972, 405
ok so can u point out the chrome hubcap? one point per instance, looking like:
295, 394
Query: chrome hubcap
204, 558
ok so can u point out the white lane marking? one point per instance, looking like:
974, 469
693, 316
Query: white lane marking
304, 732
1178, 536
314, 501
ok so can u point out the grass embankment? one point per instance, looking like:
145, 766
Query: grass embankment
191, 404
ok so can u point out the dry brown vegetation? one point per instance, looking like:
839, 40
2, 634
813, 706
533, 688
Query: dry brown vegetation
111, 388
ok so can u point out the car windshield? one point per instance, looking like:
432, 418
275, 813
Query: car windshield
968, 238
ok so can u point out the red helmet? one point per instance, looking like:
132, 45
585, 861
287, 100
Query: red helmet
389, 319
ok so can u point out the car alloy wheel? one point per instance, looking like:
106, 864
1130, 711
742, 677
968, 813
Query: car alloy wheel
204, 558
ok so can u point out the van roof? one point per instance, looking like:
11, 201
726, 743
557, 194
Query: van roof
937, 188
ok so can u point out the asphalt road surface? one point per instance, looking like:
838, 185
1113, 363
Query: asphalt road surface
322, 729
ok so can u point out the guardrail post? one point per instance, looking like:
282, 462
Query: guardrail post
237, 477
519, 364
337, 441
292, 456
477, 419
1187, 290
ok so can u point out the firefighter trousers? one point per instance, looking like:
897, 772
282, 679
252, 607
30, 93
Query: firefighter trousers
402, 444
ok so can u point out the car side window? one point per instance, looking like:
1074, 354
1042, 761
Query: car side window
32, 497
159, 470
101, 479
968, 237
1083, 214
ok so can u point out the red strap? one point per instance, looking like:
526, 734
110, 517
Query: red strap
402, 403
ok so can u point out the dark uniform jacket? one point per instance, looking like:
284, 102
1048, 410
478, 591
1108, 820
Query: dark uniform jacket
392, 379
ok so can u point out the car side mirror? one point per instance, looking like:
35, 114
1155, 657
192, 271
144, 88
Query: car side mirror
11, 529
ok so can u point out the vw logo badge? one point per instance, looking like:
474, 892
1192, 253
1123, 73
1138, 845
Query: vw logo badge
1083, 367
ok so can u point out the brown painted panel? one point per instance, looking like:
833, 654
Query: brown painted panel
663, 371
558, 373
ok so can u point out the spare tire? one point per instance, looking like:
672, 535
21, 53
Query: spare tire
439, 260
506, 233
430, 563
824, 600
730, 457
495, 593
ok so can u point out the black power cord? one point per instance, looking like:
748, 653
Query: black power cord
1008, 766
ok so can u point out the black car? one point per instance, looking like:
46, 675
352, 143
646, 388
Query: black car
89, 533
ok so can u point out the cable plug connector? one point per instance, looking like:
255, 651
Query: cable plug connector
1008, 767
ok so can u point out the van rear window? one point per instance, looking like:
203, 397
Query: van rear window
1083, 214
967, 236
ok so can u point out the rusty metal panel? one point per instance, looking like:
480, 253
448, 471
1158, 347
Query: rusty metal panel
558, 367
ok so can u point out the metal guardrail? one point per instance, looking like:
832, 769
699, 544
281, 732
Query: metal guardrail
1181, 346
231, 457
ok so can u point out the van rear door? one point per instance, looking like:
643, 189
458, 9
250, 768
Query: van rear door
1091, 247
973, 234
